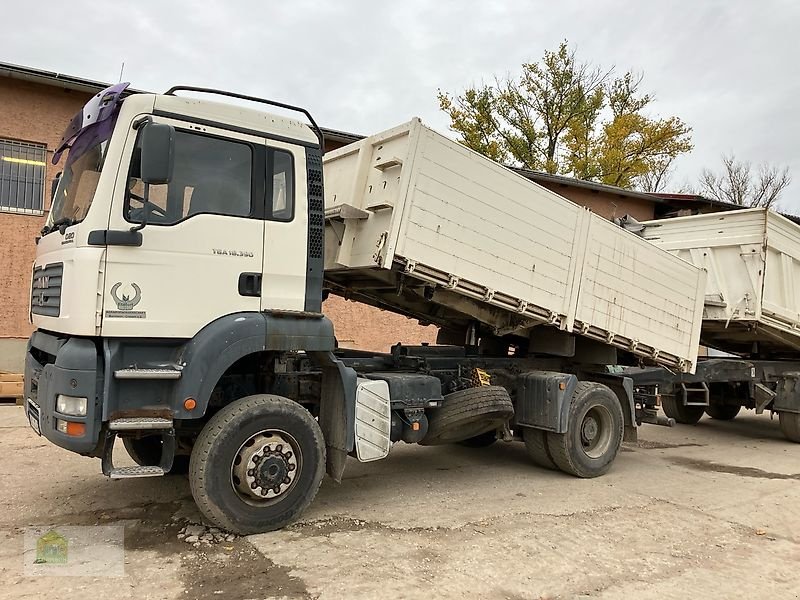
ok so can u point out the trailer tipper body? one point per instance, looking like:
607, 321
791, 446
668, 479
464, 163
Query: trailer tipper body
751, 312
422, 225
178, 286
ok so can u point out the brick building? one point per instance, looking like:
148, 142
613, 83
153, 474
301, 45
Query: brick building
36, 107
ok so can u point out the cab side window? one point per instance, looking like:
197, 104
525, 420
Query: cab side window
211, 175
281, 170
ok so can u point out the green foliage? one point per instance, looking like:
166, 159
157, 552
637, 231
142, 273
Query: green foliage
564, 116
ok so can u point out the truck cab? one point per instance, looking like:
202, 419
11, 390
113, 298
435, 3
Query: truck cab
167, 214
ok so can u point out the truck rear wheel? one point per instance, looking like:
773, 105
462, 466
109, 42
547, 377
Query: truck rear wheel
594, 433
536, 446
257, 464
146, 452
722, 412
688, 415
790, 425
469, 413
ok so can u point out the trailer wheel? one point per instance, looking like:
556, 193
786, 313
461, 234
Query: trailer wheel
790, 425
483, 440
146, 452
594, 433
688, 415
536, 446
722, 412
468, 413
257, 464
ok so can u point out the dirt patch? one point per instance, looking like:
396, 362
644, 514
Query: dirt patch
710, 466
237, 570
648, 445
326, 527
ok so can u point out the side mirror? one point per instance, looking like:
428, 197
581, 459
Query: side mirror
54, 185
158, 153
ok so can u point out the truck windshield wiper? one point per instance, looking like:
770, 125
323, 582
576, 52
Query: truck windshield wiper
58, 223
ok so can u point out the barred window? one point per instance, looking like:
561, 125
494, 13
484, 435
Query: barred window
22, 174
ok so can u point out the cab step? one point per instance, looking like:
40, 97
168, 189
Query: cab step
147, 374
136, 471
137, 423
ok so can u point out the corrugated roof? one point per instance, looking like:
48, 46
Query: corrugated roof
70, 82
542, 177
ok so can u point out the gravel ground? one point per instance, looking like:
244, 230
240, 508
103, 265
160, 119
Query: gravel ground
711, 511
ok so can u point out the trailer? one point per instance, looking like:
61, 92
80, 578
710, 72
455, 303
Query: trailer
751, 313
177, 297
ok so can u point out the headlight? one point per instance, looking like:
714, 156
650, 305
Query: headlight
70, 405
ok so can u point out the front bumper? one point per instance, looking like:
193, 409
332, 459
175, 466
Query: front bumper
68, 366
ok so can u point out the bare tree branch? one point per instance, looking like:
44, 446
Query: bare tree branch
739, 184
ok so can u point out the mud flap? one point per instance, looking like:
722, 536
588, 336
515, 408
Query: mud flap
373, 420
337, 411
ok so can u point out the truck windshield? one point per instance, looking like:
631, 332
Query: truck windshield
77, 185
86, 138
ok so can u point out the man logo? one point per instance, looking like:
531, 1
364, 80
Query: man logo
126, 302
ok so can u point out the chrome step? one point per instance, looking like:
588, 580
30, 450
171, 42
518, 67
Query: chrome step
135, 471
136, 423
147, 374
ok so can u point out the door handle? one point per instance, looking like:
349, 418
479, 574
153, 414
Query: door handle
250, 284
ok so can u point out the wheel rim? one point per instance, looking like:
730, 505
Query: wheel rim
595, 431
266, 467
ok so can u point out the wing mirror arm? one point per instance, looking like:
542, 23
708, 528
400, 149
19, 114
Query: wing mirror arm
145, 209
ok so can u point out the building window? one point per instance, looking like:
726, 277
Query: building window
22, 174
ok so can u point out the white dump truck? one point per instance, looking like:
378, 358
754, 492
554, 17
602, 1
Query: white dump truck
178, 286
751, 317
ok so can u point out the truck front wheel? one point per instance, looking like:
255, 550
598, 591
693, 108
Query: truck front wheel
594, 432
790, 425
257, 464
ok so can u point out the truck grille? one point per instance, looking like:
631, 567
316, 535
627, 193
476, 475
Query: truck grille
46, 290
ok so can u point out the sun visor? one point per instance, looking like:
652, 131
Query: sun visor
93, 123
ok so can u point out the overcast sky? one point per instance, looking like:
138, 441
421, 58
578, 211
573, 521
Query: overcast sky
727, 68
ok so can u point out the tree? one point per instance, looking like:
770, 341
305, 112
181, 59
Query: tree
740, 184
562, 115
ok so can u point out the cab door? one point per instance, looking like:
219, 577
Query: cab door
201, 250
286, 229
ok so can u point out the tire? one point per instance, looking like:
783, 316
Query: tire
467, 414
536, 446
594, 432
790, 425
722, 412
483, 440
146, 451
279, 438
688, 415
